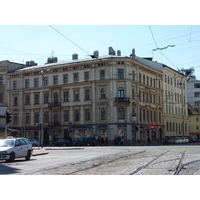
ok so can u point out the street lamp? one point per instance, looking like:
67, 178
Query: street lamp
42, 108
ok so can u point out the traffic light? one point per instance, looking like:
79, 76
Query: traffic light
8, 117
136, 129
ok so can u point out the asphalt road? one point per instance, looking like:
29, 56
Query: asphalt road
138, 160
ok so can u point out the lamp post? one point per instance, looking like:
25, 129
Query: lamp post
42, 107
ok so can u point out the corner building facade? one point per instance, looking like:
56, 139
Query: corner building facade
110, 96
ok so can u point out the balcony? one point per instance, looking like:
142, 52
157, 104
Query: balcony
55, 104
122, 99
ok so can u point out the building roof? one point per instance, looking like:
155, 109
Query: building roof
192, 110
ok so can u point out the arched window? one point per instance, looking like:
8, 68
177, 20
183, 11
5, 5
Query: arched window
103, 114
15, 101
120, 92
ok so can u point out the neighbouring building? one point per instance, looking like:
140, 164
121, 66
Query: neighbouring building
194, 121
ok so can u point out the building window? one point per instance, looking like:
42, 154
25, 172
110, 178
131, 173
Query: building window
147, 115
27, 99
55, 80
197, 94
1, 97
197, 127
102, 74
76, 95
133, 93
133, 74
27, 83
140, 78
120, 92
66, 115
87, 114
15, 101
46, 117
87, 94
76, 115
36, 117
197, 103
66, 96
144, 115
154, 116
147, 80
197, 85
15, 119
103, 93
120, 74
36, 98
46, 98
36, 82
87, 77
45, 81
65, 78
14, 85
143, 79
103, 114
28, 118
121, 113
150, 81
75, 77
140, 114
197, 119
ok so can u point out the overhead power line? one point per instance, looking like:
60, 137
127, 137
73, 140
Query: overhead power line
72, 41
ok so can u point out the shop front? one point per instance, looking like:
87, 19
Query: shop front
101, 131
76, 132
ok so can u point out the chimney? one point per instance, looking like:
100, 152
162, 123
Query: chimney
111, 51
75, 57
133, 54
118, 53
96, 53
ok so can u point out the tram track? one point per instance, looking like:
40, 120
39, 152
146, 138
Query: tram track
180, 166
105, 162
147, 164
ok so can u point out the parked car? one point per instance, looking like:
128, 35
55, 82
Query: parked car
178, 140
62, 142
193, 139
88, 141
33, 142
169, 140
11, 148
185, 139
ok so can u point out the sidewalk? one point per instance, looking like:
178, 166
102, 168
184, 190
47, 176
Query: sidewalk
42, 151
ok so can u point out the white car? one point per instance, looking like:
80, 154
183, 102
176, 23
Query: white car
11, 148
185, 139
178, 140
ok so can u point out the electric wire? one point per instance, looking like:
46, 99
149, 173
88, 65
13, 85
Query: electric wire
69, 39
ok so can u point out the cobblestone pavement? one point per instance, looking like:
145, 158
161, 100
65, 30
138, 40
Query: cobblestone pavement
153, 160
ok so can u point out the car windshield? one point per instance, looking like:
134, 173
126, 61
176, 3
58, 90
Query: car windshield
6, 143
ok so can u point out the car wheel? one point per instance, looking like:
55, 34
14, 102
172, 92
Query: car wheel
28, 155
88, 144
52, 145
12, 157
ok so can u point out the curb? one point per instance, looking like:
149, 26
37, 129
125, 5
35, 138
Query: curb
39, 154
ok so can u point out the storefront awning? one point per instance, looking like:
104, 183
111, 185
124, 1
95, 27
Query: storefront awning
145, 127
102, 126
73, 128
12, 130
153, 127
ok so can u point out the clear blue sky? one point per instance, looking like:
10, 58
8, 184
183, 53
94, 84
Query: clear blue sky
21, 43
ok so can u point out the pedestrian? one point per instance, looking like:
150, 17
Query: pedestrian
102, 141
106, 141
